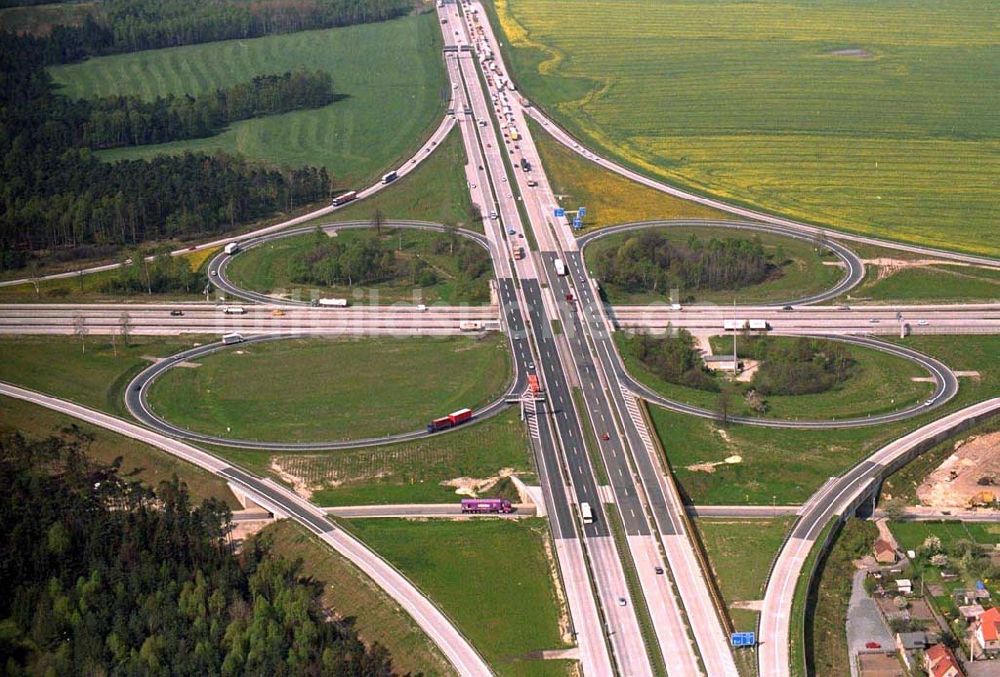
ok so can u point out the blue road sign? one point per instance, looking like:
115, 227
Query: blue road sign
581, 212
560, 212
741, 639
577, 223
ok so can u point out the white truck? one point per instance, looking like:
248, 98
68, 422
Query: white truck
560, 267
232, 248
234, 310
230, 339
332, 303
586, 513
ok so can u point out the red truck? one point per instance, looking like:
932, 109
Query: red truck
481, 505
533, 384
450, 421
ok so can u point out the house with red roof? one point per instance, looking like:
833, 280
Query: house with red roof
884, 552
988, 632
939, 661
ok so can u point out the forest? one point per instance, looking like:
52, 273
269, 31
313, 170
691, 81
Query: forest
674, 358
55, 194
648, 261
100, 575
131, 25
799, 367
130, 121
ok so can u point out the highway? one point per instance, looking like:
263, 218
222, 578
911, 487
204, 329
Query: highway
208, 319
449, 510
837, 499
282, 502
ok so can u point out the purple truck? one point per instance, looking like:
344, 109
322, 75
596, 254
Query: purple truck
479, 505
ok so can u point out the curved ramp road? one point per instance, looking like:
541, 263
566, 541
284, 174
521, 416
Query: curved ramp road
217, 266
945, 388
408, 166
854, 267
282, 502
138, 389
835, 500
566, 139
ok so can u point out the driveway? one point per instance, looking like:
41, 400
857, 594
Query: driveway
864, 621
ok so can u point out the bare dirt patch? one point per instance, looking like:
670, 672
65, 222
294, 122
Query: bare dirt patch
472, 486
974, 469
279, 466
709, 467
887, 267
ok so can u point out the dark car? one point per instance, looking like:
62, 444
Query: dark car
787, 308
658, 570
176, 313
605, 437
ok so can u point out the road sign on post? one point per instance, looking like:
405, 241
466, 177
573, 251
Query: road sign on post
581, 212
577, 223
742, 639
560, 212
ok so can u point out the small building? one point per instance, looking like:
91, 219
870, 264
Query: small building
904, 586
971, 613
908, 643
884, 552
988, 632
723, 363
939, 661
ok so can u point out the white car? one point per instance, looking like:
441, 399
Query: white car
922, 323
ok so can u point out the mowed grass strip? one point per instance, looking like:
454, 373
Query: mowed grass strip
871, 119
389, 76
141, 462
492, 577
937, 283
608, 197
802, 271
321, 389
350, 595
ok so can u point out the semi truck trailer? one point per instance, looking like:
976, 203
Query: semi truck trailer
232, 248
344, 198
450, 421
486, 505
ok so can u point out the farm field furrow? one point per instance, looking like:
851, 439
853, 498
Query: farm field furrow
388, 78
869, 118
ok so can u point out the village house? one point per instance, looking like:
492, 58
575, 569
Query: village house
939, 661
988, 632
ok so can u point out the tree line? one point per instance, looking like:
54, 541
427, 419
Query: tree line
100, 575
650, 262
129, 121
55, 194
117, 26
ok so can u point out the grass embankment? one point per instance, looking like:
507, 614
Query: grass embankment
92, 288
960, 284
266, 269
791, 464
741, 551
389, 78
656, 87
827, 651
879, 383
94, 377
492, 577
349, 594
803, 602
140, 461
802, 272
321, 389
436, 191
608, 197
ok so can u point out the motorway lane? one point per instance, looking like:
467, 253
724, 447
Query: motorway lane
834, 500
572, 143
138, 389
854, 268
281, 501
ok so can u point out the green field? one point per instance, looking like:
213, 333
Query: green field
880, 382
740, 551
608, 197
911, 535
140, 461
870, 118
266, 269
492, 577
349, 594
802, 271
94, 377
938, 284
389, 76
318, 389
